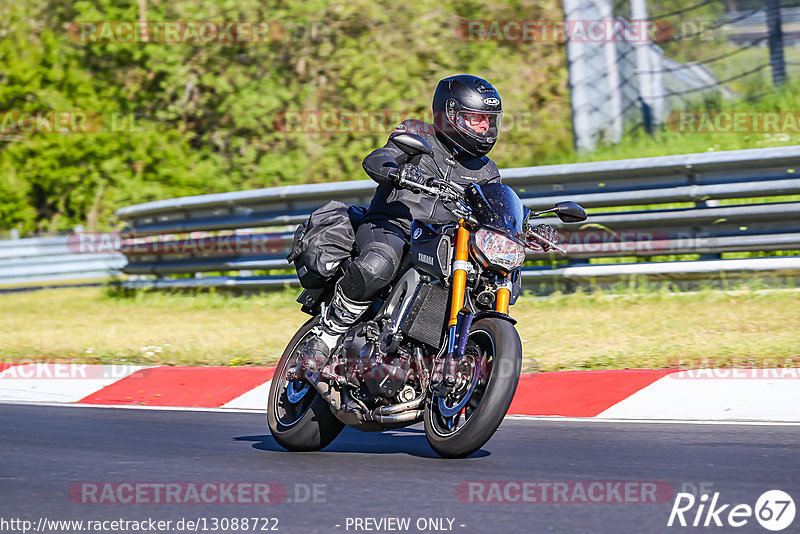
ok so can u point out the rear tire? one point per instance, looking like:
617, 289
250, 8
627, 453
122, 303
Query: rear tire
496, 345
308, 423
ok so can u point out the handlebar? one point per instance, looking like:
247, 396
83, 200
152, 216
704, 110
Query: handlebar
548, 242
442, 189
453, 192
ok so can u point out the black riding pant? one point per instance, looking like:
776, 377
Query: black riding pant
381, 247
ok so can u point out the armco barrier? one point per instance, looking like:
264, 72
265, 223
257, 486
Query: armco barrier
50, 259
638, 228
241, 232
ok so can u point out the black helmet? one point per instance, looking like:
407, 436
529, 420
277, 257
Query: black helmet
467, 111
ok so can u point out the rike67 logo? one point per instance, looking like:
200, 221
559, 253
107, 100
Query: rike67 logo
774, 510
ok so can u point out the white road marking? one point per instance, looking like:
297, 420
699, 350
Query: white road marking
59, 382
255, 399
687, 395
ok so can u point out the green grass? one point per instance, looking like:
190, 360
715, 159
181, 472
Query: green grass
665, 329
97, 326
749, 59
603, 330
637, 144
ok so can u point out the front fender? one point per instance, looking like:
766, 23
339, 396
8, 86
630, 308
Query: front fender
495, 314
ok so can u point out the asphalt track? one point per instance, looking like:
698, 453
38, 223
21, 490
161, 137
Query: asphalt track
46, 450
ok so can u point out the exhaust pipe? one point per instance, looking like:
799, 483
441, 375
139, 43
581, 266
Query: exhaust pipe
403, 413
399, 408
410, 416
355, 413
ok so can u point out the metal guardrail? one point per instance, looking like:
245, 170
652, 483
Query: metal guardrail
789, 15
251, 230
230, 231
52, 259
538, 187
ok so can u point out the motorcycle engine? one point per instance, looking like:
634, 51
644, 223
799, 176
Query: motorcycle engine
381, 375
354, 342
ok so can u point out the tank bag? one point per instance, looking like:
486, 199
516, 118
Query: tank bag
324, 241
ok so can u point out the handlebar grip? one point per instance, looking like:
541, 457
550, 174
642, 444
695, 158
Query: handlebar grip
402, 182
553, 246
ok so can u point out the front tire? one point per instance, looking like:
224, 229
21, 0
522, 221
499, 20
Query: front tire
454, 431
298, 417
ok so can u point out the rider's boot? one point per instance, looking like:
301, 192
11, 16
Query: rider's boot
342, 313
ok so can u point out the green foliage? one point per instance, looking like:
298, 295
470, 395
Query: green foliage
690, 22
206, 117
208, 114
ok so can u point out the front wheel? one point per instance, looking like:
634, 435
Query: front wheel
298, 417
462, 422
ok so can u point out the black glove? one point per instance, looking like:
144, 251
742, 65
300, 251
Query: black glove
547, 232
407, 172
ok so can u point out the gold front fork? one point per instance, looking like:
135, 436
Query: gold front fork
459, 273
503, 296
447, 368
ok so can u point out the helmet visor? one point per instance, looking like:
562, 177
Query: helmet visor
479, 124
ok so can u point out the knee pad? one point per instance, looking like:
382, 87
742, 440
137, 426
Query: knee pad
370, 271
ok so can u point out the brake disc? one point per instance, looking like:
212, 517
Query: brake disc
450, 411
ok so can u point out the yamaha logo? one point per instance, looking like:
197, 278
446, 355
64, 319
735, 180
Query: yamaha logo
491, 101
425, 258
417, 233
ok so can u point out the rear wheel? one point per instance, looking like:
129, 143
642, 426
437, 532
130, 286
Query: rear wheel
462, 422
298, 417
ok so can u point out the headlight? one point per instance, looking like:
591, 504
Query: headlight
499, 249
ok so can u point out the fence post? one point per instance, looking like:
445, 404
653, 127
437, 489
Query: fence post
775, 39
594, 77
643, 70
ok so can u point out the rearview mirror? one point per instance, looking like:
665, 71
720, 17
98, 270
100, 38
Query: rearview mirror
412, 144
570, 212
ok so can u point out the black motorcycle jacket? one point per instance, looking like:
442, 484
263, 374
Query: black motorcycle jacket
401, 206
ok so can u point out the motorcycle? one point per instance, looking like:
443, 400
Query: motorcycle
438, 345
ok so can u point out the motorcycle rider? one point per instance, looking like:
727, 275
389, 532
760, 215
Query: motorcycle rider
467, 113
